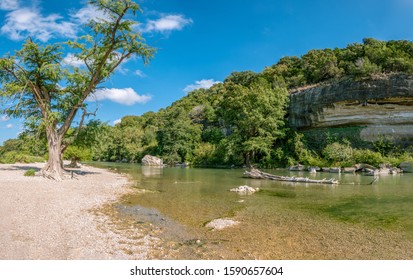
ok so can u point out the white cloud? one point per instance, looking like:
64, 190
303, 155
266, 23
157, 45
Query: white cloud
201, 84
24, 22
140, 73
72, 60
87, 13
4, 118
9, 125
115, 122
125, 96
21, 22
167, 23
9, 5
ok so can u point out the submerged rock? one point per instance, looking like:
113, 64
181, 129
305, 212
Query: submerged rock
244, 190
219, 224
149, 160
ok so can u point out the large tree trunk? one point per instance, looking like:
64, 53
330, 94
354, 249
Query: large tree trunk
54, 167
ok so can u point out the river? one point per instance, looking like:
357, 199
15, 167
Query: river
352, 220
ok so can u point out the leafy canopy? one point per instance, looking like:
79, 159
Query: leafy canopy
39, 87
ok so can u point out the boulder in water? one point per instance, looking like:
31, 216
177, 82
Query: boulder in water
219, 224
149, 160
244, 190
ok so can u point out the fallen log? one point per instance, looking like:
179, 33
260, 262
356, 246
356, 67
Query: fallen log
257, 174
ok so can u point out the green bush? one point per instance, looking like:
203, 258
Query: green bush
204, 155
337, 153
396, 159
15, 156
369, 157
30, 172
76, 154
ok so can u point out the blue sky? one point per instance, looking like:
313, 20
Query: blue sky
201, 42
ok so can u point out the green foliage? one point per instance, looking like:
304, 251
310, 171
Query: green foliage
318, 139
355, 61
30, 172
369, 157
238, 122
320, 65
384, 146
204, 155
339, 154
75, 154
178, 137
253, 117
17, 156
32, 78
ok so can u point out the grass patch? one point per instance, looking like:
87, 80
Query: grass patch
30, 172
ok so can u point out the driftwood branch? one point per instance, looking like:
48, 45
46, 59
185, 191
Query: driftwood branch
257, 174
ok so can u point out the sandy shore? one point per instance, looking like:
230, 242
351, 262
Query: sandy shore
43, 219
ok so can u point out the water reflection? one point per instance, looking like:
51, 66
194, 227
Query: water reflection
152, 171
299, 220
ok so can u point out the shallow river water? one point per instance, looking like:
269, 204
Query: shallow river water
352, 220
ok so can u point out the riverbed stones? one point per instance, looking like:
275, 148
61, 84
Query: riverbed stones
244, 190
149, 160
348, 169
335, 170
220, 224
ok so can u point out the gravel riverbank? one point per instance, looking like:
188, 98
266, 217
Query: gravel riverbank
43, 219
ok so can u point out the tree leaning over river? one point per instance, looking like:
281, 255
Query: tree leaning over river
49, 94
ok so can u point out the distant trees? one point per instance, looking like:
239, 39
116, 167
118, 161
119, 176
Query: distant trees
255, 116
355, 61
242, 120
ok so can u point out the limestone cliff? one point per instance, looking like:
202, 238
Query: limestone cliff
383, 105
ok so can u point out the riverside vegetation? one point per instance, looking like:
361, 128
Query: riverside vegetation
241, 121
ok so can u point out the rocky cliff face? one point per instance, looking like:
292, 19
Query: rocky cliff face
383, 105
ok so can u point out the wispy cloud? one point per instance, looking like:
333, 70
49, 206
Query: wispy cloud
140, 73
23, 22
9, 125
205, 83
84, 15
4, 118
166, 23
125, 96
9, 5
115, 122
72, 60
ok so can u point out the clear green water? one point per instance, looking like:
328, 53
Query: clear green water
283, 220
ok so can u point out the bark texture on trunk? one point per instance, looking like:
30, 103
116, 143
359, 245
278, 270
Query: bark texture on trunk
54, 166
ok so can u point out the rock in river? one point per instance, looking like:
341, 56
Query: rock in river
219, 224
244, 190
149, 160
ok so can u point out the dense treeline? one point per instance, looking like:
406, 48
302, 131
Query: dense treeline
355, 61
242, 121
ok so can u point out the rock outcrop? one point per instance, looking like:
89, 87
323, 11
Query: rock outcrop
151, 161
384, 106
